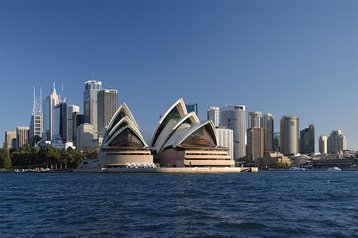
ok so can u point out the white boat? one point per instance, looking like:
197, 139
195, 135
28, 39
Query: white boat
297, 169
334, 169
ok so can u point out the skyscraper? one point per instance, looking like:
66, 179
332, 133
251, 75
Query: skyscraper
71, 111
192, 107
337, 142
59, 133
276, 141
307, 140
255, 143
214, 115
9, 137
84, 136
268, 127
225, 138
254, 119
107, 105
22, 135
90, 104
52, 100
36, 123
323, 144
233, 117
289, 131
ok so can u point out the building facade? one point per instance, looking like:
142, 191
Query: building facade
22, 136
225, 138
307, 143
213, 114
60, 120
336, 142
107, 100
322, 144
72, 111
192, 107
254, 120
9, 138
255, 143
90, 104
233, 117
289, 135
84, 136
49, 103
267, 124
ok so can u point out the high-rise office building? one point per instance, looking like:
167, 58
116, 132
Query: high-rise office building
107, 101
289, 133
78, 119
49, 103
59, 133
254, 119
192, 107
276, 142
84, 136
255, 143
268, 126
214, 115
36, 123
336, 142
233, 117
22, 135
71, 111
322, 144
225, 138
90, 104
307, 140
9, 137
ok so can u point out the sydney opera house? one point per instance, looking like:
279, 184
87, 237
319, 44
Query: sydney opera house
179, 140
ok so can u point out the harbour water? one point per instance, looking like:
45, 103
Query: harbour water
264, 204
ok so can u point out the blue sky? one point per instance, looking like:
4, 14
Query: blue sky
283, 57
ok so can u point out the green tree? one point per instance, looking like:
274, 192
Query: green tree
5, 161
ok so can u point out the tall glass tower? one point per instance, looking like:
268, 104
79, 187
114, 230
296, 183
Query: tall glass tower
90, 104
233, 117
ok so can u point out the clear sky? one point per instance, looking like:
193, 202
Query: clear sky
283, 57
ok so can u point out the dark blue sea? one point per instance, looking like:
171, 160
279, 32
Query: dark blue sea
264, 204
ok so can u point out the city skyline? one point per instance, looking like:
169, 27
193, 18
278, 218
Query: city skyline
154, 53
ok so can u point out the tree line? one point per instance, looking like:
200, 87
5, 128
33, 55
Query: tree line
44, 157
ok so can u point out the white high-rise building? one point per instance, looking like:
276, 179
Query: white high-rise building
233, 117
49, 103
254, 120
322, 144
71, 110
84, 136
214, 115
268, 125
336, 142
289, 134
90, 104
36, 124
225, 138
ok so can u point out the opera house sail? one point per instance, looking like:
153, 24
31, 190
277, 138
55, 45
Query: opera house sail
123, 143
181, 140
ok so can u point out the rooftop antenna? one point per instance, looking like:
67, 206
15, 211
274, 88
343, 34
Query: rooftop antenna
54, 87
92, 76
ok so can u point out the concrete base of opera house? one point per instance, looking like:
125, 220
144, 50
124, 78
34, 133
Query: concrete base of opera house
186, 170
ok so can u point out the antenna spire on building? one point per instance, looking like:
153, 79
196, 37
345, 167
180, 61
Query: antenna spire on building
54, 87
